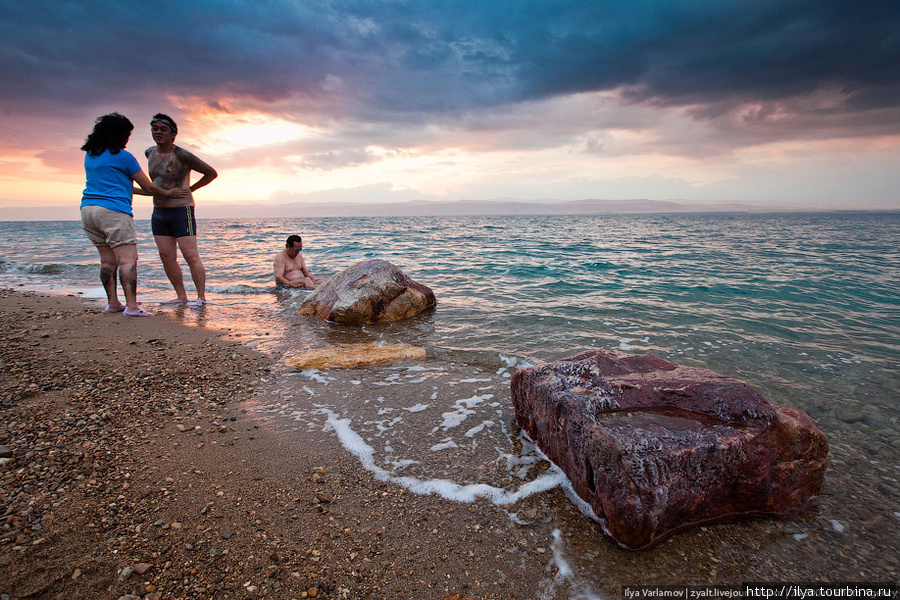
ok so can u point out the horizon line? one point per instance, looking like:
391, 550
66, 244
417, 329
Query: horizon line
450, 208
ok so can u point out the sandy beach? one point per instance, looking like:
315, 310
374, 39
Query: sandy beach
133, 470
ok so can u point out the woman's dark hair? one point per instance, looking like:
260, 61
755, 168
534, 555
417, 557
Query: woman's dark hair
111, 132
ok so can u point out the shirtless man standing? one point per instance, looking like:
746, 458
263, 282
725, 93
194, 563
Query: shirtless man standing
290, 268
173, 223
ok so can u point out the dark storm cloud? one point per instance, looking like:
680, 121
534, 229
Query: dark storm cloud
416, 60
67, 52
683, 53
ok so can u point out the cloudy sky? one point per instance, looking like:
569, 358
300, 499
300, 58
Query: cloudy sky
712, 101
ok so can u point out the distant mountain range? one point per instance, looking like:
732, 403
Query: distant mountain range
421, 208
432, 208
429, 208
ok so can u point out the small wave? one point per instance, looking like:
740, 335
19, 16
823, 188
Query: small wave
242, 288
600, 265
11, 268
482, 358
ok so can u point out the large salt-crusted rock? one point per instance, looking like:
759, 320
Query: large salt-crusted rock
367, 292
655, 447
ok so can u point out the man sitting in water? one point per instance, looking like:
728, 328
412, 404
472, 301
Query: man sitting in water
290, 268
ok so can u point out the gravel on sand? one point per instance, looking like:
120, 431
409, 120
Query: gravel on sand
128, 469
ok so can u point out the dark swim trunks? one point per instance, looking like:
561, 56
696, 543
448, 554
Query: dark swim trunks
177, 222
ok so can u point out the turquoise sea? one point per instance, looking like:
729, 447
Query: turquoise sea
804, 307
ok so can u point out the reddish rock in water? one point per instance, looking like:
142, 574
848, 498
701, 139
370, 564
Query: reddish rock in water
655, 447
368, 292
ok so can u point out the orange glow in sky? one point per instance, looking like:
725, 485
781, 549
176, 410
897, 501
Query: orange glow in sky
298, 102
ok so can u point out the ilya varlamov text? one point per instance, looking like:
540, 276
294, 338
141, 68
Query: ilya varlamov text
680, 592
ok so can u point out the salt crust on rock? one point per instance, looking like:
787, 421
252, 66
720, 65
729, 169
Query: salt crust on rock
655, 447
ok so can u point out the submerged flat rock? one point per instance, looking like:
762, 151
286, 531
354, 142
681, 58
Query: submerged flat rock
655, 447
354, 355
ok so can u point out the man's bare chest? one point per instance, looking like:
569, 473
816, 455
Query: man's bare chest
166, 166
293, 264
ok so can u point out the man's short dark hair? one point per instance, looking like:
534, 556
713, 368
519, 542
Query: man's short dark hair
293, 238
165, 120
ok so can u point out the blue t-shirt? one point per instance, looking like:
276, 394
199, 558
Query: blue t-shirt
108, 180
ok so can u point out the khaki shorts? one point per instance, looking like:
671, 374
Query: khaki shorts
106, 227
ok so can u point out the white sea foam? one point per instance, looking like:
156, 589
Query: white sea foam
478, 429
520, 466
316, 375
463, 410
392, 379
390, 434
444, 445
565, 574
450, 490
559, 556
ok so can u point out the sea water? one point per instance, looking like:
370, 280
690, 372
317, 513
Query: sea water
803, 307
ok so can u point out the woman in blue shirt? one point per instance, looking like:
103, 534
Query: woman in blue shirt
106, 215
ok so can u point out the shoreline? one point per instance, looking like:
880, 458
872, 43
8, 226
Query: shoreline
133, 471
149, 460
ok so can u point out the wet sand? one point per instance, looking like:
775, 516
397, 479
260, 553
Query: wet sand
130, 451
142, 462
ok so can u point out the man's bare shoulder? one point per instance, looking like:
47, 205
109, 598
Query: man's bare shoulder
185, 156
